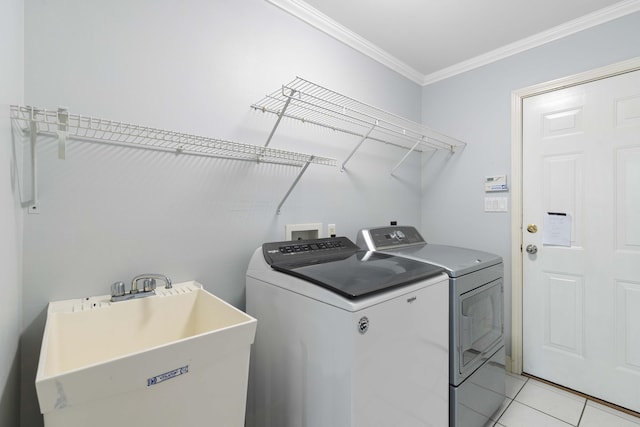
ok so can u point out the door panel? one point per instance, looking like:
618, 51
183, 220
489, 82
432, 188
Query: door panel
564, 324
628, 202
581, 310
628, 325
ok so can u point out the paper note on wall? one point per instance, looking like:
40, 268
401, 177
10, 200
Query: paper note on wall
557, 229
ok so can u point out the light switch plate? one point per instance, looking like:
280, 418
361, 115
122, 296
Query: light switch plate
495, 204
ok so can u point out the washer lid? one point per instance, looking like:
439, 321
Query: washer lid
349, 271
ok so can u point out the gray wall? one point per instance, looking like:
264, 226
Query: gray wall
11, 92
108, 213
475, 107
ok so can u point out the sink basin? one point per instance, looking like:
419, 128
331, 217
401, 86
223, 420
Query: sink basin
180, 357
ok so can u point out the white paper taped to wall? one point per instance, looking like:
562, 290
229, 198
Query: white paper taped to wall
556, 229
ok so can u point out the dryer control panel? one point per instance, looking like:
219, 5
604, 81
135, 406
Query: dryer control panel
394, 236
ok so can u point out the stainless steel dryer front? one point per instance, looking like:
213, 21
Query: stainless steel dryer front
476, 319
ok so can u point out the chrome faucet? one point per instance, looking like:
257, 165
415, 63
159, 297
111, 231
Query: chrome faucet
149, 287
149, 279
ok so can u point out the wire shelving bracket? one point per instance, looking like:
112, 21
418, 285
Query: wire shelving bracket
63, 125
308, 102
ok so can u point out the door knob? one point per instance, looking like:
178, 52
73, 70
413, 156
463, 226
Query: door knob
532, 228
532, 249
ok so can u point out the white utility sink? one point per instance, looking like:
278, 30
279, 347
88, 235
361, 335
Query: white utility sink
178, 358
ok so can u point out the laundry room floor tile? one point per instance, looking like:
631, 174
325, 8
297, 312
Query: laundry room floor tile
597, 415
551, 400
514, 384
520, 415
500, 411
533, 403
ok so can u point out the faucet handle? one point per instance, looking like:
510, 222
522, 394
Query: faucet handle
149, 284
117, 289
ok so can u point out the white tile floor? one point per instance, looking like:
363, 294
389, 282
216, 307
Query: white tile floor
532, 403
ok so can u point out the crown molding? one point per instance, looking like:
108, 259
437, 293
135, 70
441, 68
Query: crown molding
593, 19
322, 22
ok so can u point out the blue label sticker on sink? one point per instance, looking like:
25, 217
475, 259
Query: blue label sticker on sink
167, 376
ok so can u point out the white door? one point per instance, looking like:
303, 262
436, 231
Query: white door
581, 303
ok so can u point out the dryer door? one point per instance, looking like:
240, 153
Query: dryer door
480, 326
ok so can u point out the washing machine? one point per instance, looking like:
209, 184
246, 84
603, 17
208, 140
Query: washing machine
476, 322
346, 337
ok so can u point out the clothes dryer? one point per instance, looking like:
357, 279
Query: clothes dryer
476, 320
346, 338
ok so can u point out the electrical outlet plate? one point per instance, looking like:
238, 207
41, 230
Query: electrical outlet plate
303, 231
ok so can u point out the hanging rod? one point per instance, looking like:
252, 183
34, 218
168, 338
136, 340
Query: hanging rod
308, 102
62, 124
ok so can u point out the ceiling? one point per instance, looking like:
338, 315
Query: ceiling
428, 40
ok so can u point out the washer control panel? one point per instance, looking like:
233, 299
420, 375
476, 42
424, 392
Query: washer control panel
275, 252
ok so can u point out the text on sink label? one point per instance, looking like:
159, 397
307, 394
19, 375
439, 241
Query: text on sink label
167, 376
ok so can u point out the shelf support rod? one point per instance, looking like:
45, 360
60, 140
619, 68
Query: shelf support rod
364, 137
62, 132
32, 205
407, 155
295, 182
280, 116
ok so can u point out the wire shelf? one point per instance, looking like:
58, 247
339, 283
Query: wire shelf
60, 122
310, 103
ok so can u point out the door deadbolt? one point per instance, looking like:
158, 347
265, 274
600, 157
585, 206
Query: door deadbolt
532, 249
532, 228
